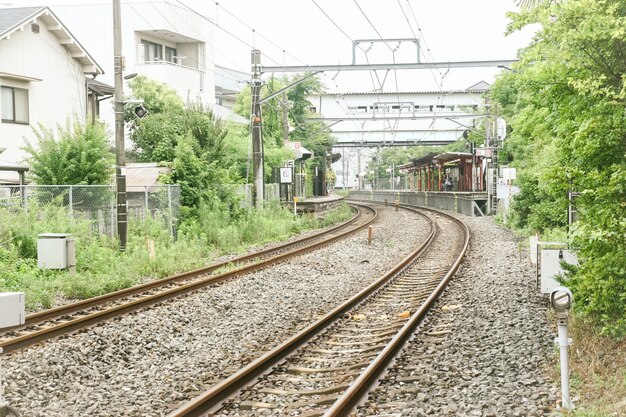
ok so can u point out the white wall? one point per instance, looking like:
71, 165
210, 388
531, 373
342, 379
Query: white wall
60, 94
92, 25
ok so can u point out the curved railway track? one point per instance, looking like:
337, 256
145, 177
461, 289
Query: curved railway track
71, 317
331, 365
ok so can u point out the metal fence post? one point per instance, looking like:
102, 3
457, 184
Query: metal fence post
113, 212
169, 207
146, 208
71, 197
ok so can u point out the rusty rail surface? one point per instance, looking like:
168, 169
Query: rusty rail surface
215, 397
72, 317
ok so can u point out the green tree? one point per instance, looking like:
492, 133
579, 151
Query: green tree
77, 154
565, 103
154, 136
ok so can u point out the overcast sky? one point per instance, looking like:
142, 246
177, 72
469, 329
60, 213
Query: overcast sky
448, 30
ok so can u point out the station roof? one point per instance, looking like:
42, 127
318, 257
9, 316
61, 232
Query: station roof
452, 156
142, 175
418, 162
8, 166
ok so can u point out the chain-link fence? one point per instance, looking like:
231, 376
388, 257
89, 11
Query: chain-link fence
272, 192
97, 203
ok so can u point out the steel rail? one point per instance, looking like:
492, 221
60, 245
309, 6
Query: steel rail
363, 384
216, 395
79, 322
102, 299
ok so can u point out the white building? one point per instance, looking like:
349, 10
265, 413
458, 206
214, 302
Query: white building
368, 121
43, 78
162, 40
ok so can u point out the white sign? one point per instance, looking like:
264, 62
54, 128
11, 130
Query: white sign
506, 191
509, 173
290, 163
501, 128
486, 152
286, 175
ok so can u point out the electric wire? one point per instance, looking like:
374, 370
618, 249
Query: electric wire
359, 46
219, 5
287, 69
372, 25
393, 128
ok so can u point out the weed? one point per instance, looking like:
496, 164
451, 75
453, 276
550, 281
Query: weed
101, 268
598, 372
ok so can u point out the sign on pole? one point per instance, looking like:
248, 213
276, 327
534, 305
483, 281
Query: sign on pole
286, 175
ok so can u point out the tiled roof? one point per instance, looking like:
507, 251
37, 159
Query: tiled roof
9, 18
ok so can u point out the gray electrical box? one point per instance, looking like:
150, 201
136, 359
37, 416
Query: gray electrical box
551, 266
12, 309
55, 251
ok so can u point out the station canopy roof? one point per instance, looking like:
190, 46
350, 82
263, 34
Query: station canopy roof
452, 156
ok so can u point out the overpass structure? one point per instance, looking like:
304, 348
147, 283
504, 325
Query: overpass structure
376, 119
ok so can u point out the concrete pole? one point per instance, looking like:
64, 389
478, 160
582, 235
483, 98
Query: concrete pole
564, 343
257, 139
285, 118
120, 160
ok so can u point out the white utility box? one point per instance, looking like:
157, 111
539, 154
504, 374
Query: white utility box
12, 309
55, 251
551, 266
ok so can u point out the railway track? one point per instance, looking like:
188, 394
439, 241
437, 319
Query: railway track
331, 365
75, 316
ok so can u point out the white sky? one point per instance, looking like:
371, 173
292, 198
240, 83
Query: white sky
453, 30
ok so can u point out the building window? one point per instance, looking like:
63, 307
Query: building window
152, 51
14, 105
170, 55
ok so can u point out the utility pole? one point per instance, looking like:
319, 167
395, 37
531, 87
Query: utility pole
120, 160
257, 139
358, 170
285, 118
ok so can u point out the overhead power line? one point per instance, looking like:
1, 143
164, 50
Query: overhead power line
372, 25
217, 4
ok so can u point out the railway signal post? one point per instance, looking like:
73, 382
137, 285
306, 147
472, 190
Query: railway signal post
561, 300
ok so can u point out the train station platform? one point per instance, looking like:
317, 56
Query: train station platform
318, 206
465, 202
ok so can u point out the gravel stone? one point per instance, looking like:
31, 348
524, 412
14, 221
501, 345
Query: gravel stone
495, 359
148, 362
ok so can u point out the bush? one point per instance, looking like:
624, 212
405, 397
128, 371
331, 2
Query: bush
80, 155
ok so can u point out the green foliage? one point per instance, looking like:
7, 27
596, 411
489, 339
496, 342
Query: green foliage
155, 137
396, 155
157, 97
192, 141
313, 135
80, 154
102, 268
565, 103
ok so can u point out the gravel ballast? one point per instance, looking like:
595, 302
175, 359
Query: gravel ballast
493, 362
147, 363
484, 349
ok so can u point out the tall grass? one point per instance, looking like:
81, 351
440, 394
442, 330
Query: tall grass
102, 268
